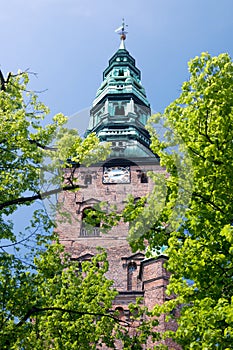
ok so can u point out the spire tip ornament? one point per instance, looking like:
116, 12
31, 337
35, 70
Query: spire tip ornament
122, 32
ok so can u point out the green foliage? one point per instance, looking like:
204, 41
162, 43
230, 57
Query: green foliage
198, 207
68, 307
46, 301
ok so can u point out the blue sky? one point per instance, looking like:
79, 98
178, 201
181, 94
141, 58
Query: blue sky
68, 43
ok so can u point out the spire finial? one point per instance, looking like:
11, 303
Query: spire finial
122, 32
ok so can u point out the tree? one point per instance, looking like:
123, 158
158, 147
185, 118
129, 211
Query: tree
58, 306
195, 222
48, 301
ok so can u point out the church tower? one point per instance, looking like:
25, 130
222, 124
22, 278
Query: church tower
118, 115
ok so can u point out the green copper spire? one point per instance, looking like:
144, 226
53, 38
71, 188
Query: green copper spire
120, 109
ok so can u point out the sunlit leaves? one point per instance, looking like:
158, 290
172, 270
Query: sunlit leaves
200, 249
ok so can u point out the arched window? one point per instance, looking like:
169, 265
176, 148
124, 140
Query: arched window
132, 267
90, 223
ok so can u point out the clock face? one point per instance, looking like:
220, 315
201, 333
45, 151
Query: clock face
116, 174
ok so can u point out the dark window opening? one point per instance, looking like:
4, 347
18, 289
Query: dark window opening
121, 73
88, 180
131, 268
120, 110
136, 199
120, 312
144, 178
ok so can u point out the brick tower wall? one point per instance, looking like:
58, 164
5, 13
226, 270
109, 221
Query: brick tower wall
155, 279
115, 241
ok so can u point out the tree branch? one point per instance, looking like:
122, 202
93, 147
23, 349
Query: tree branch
196, 153
42, 146
39, 196
208, 201
35, 310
